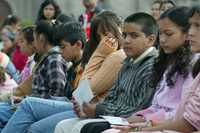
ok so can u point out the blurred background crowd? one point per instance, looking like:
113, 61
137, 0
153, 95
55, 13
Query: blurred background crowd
27, 9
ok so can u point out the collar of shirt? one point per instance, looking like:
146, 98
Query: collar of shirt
52, 50
143, 55
149, 52
31, 58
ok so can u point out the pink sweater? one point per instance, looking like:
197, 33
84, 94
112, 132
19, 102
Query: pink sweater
190, 106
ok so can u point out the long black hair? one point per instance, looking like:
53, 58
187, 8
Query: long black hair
43, 5
196, 68
47, 29
179, 61
106, 21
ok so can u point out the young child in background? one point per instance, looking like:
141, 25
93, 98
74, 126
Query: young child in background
6, 83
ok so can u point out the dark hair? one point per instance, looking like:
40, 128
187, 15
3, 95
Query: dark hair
28, 34
157, 2
174, 15
62, 18
47, 29
172, 2
107, 21
11, 19
194, 9
70, 32
148, 23
179, 61
43, 5
196, 68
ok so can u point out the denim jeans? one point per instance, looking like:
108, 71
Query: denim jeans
6, 113
35, 115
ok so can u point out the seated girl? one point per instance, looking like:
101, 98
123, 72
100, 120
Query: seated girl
99, 71
27, 48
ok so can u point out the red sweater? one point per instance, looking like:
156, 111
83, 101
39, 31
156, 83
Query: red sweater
19, 59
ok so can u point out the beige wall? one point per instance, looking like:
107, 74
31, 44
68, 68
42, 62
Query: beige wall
28, 9
25, 9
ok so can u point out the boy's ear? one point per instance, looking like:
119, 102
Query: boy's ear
152, 39
78, 44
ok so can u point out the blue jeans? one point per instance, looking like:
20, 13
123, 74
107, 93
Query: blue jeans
35, 115
6, 113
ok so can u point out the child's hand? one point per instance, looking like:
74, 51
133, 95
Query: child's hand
111, 41
135, 119
89, 109
16, 99
122, 129
77, 109
130, 127
108, 45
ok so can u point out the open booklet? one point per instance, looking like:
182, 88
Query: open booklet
116, 120
83, 93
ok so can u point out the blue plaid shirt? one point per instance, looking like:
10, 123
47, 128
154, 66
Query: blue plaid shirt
49, 78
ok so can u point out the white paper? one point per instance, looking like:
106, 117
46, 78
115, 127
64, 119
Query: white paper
83, 93
116, 120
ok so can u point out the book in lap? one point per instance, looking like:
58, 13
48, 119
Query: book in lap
116, 120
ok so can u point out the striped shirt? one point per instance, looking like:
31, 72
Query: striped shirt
132, 91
